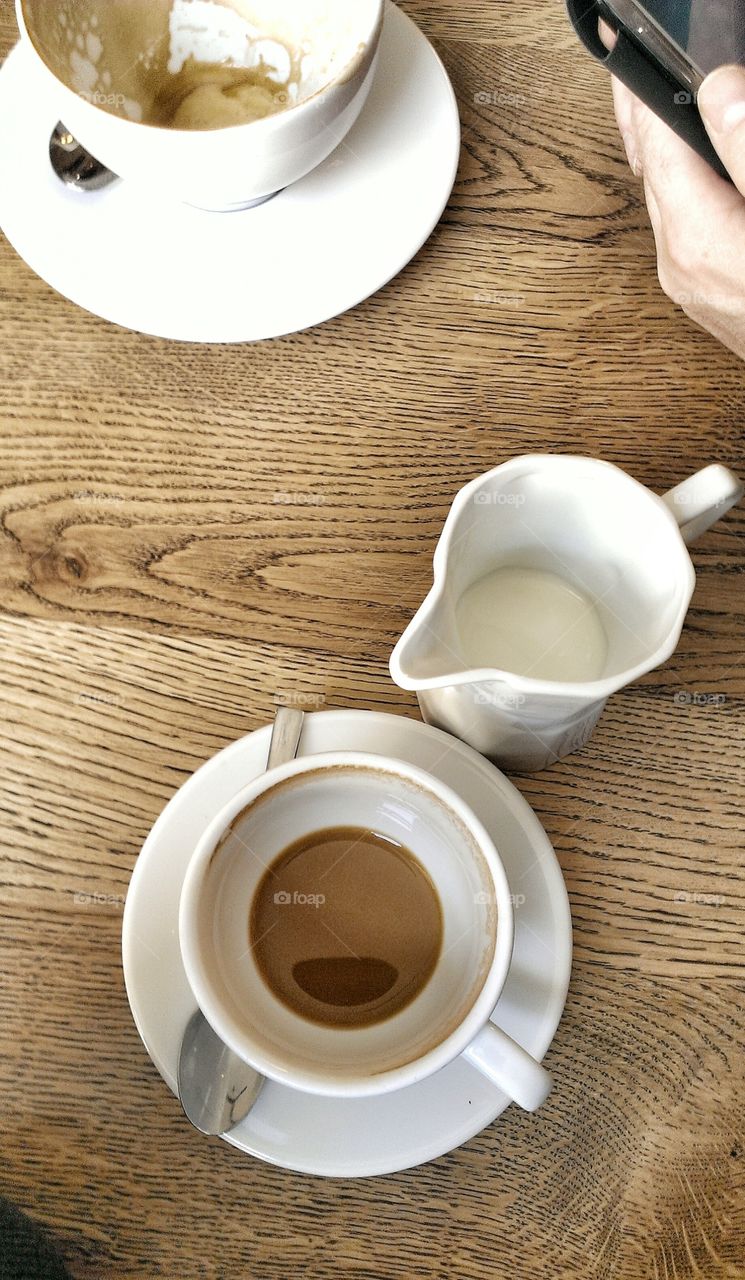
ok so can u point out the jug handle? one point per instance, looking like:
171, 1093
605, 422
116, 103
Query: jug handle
702, 499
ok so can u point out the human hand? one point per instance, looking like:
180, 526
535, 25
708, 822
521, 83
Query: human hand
698, 218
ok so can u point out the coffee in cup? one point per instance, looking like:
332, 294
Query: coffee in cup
193, 64
346, 927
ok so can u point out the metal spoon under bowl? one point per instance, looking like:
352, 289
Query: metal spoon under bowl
216, 1088
75, 166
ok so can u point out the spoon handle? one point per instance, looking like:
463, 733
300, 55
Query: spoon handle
286, 730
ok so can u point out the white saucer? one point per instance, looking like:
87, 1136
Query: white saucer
355, 1137
313, 251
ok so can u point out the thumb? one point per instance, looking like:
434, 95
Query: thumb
721, 101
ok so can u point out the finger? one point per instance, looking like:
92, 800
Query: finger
721, 101
607, 34
698, 221
693, 200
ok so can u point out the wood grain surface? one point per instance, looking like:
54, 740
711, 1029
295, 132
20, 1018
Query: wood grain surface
188, 532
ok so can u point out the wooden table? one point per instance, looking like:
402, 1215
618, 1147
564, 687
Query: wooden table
157, 597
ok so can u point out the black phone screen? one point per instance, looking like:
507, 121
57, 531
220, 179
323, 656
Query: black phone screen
710, 32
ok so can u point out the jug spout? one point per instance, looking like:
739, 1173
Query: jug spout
426, 656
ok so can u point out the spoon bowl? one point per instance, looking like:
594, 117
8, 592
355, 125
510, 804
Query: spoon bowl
75, 166
217, 1089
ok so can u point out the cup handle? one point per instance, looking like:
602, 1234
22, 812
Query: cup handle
509, 1067
703, 499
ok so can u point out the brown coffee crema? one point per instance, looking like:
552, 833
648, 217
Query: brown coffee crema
116, 55
346, 927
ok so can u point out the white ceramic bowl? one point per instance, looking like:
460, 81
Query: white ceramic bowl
217, 169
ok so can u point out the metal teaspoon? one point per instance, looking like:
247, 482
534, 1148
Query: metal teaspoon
216, 1088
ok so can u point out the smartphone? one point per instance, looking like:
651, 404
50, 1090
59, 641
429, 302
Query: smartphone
687, 38
664, 50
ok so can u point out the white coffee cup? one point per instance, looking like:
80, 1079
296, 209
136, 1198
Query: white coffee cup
80, 65
448, 1017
